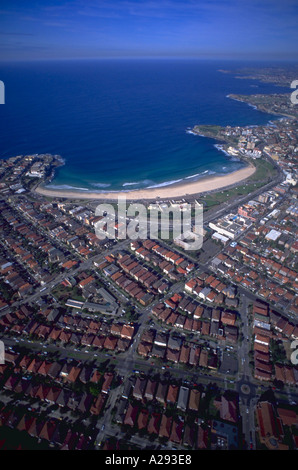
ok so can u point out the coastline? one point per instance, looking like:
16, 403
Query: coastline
210, 183
176, 189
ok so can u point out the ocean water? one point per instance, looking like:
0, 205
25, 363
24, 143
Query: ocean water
122, 124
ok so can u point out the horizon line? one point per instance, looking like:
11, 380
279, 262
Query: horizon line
111, 58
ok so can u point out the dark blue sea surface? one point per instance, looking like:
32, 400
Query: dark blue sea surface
122, 124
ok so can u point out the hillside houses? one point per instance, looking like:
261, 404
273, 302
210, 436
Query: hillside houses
174, 349
269, 326
185, 313
176, 421
70, 329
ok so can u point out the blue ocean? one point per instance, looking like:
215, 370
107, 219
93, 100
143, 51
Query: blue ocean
122, 124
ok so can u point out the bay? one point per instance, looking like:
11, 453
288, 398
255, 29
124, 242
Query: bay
122, 124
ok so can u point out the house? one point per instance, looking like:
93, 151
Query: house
172, 394
63, 398
165, 426
264, 366
229, 409
204, 293
11, 357
87, 339
164, 314
148, 336
85, 402
288, 417
144, 349
190, 285
211, 296
150, 389
95, 376
42, 392
205, 328
198, 312
202, 438
11, 382
131, 415
161, 393
64, 337
180, 322
36, 427
53, 395
34, 366
228, 318
25, 423
98, 342
75, 339
189, 436
158, 351
153, 426
172, 319
116, 329
54, 370
143, 419
85, 282
127, 332
21, 387
262, 374
191, 307
215, 315
73, 374
45, 368
107, 382
161, 339
85, 374
214, 328
262, 339
175, 343
177, 431
231, 333
194, 355
139, 388
172, 356
24, 363
184, 354
55, 333
110, 343
48, 429
203, 358
270, 425
123, 344
31, 390
183, 398
194, 400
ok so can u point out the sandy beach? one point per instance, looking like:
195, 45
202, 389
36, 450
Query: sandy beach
166, 192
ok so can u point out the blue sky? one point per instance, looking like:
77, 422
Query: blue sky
229, 29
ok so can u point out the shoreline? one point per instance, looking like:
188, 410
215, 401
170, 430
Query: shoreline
210, 183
